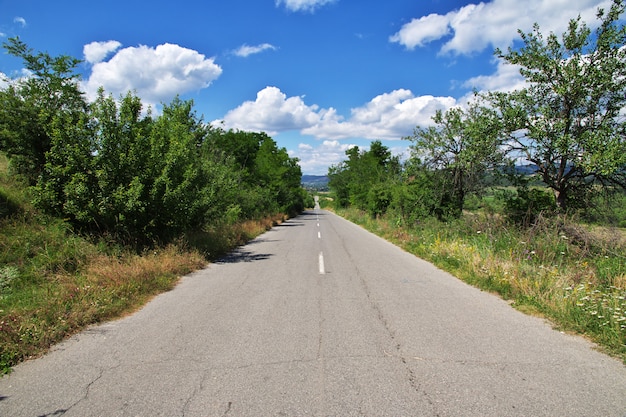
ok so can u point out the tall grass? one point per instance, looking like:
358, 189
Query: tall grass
572, 274
53, 283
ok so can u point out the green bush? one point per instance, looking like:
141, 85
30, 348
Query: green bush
524, 206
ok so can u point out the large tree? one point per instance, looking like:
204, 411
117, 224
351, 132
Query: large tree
569, 120
458, 150
30, 105
365, 179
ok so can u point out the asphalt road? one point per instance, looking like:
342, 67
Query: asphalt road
318, 317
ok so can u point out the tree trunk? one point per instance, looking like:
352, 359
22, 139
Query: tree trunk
561, 199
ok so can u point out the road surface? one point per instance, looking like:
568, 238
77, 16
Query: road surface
318, 317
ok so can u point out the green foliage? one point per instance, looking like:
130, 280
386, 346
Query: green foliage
568, 124
460, 149
109, 168
414, 199
269, 178
527, 204
54, 282
29, 106
568, 121
366, 179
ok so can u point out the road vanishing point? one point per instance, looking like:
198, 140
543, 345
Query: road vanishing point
318, 317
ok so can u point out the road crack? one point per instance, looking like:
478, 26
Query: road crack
411, 376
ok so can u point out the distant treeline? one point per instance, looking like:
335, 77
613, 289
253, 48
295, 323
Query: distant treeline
112, 167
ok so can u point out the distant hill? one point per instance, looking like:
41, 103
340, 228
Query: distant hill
526, 169
320, 182
315, 181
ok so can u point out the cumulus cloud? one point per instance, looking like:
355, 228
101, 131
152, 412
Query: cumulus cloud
246, 50
156, 74
272, 112
315, 160
96, 51
303, 5
476, 27
4, 81
506, 78
423, 30
20, 20
389, 116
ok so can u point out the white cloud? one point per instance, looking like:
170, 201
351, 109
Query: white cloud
96, 51
303, 5
506, 78
156, 74
389, 116
20, 20
4, 81
476, 27
423, 30
316, 160
246, 50
272, 112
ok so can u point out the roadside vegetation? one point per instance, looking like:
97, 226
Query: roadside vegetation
104, 204
520, 193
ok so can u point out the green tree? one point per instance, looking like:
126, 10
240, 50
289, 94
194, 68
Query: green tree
568, 121
29, 106
176, 169
279, 175
67, 185
365, 178
240, 145
339, 178
459, 149
414, 197
269, 177
121, 137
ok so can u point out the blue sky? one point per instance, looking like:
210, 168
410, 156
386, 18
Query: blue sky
319, 76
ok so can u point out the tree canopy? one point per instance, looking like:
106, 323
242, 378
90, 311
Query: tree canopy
569, 120
112, 167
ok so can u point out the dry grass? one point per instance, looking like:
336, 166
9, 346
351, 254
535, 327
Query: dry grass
109, 271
